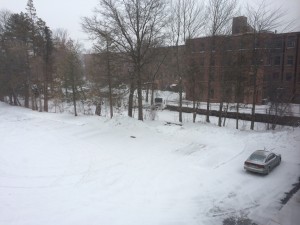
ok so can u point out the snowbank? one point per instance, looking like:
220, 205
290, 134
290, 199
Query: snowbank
66, 170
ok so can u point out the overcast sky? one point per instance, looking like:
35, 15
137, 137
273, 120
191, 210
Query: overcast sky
67, 13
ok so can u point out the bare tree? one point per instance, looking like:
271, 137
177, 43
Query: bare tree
47, 54
187, 21
134, 26
4, 89
262, 18
68, 67
16, 43
153, 68
73, 70
225, 78
104, 69
220, 13
194, 77
239, 68
279, 104
106, 49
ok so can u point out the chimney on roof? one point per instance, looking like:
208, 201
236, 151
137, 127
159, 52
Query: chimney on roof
239, 25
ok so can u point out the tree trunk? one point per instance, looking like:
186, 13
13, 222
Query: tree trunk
194, 110
220, 113
14, 97
140, 97
33, 102
109, 82
40, 103
130, 101
40, 108
209, 86
98, 108
253, 100
180, 100
225, 116
152, 94
26, 95
74, 92
110, 100
10, 99
237, 115
46, 97
147, 93
74, 99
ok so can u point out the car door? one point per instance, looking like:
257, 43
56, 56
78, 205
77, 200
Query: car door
271, 160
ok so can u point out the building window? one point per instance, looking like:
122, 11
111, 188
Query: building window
257, 43
192, 47
242, 60
202, 47
242, 44
228, 91
213, 47
201, 74
275, 76
268, 59
201, 62
290, 42
213, 62
288, 76
229, 61
212, 93
290, 60
266, 77
277, 60
212, 75
229, 45
278, 43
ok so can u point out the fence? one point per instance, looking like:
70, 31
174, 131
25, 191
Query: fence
263, 118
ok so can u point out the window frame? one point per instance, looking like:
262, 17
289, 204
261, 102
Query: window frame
290, 60
291, 42
290, 77
276, 62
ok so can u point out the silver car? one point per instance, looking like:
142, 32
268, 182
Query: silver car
262, 161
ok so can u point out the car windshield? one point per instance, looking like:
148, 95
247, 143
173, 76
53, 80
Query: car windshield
257, 157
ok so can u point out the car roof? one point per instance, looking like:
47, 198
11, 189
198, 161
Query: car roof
262, 152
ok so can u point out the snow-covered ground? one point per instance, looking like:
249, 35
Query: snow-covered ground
66, 170
289, 214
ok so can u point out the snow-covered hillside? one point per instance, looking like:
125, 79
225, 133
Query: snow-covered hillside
66, 170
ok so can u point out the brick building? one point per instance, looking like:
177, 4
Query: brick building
282, 67
237, 61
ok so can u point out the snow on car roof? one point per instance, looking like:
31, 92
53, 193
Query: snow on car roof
262, 152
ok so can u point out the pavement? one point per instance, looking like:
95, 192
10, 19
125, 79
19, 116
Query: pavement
289, 213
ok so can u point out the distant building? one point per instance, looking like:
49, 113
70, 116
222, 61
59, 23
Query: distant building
282, 67
240, 25
233, 60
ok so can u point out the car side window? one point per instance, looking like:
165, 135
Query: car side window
270, 157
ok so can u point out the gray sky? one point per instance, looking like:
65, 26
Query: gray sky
67, 13
58, 14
